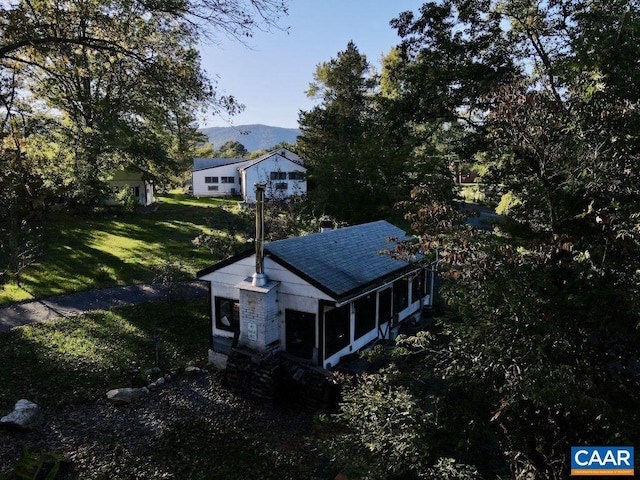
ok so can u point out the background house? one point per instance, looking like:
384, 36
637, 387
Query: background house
323, 296
281, 170
135, 179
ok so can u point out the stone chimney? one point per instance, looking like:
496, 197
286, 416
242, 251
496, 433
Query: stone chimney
259, 309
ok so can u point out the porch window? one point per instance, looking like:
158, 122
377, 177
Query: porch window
400, 294
417, 286
385, 312
227, 314
365, 315
213, 188
300, 330
282, 186
337, 329
295, 175
227, 179
210, 179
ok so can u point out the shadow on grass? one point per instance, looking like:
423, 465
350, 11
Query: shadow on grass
79, 359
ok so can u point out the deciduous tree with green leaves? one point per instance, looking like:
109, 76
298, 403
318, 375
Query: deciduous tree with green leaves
124, 79
541, 350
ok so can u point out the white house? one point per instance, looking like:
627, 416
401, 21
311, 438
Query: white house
135, 179
281, 170
318, 297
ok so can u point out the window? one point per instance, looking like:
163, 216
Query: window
416, 286
210, 179
420, 285
227, 314
337, 329
385, 312
278, 175
296, 175
365, 315
400, 294
281, 186
213, 188
228, 179
301, 333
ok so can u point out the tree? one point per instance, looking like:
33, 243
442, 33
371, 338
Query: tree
352, 170
231, 149
554, 296
123, 77
540, 347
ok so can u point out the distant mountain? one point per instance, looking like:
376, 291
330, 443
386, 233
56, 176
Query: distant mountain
253, 137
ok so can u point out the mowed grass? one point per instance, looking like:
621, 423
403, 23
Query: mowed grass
78, 359
89, 251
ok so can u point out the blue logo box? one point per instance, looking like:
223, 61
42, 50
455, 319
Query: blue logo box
597, 461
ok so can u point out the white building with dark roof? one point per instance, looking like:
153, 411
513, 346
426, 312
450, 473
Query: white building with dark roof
319, 297
281, 170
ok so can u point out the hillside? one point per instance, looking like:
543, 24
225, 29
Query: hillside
253, 137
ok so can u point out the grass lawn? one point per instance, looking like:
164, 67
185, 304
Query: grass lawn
83, 252
78, 359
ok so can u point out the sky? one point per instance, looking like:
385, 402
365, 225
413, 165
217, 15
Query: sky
271, 75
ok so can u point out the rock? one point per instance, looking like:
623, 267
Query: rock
167, 378
121, 396
152, 371
25, 415
192, 371
160, 381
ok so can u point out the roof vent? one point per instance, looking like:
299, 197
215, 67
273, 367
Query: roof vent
326, 225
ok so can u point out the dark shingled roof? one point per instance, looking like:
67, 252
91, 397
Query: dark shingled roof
344, 261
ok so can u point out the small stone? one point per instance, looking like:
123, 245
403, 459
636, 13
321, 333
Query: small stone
152, 371
152, 386
26, 415
160, 381
167, 378
121, 396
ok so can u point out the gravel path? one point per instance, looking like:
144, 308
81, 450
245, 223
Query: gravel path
104, 441
78, 303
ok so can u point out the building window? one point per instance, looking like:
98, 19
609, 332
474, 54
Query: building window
296, 175
281, 186
227, 179
213, 188
365, 315
227, 314
337, 329
301, 333
210, 179
385, 310
420, 285
400, 294
278, 175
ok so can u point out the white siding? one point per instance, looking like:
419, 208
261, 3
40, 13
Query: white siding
201, 188
293, 292
261, 173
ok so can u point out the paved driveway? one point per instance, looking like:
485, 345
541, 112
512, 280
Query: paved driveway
77, 303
